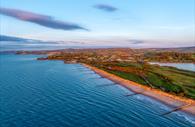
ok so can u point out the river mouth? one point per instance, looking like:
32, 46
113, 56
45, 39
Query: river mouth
51, 93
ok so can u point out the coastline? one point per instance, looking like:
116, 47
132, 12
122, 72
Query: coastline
178, 103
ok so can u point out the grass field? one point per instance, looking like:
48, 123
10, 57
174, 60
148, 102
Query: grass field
169, 79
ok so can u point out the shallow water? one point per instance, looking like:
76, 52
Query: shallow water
53, 94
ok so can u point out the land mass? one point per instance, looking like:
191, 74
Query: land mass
170, 55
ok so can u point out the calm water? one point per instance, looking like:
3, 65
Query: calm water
53, 94
183, 66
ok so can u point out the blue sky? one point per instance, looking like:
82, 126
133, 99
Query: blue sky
152, 23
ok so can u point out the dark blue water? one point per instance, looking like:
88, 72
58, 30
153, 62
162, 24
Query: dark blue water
53, 94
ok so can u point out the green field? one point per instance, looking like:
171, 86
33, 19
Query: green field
168, 79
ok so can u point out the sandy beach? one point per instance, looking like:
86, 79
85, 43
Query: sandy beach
176, 102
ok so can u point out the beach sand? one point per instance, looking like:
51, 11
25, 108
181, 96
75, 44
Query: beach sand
176, 102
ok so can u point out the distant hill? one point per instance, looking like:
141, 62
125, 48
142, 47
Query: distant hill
178, 49
184, 49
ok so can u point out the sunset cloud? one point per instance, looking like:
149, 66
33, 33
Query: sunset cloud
43, 20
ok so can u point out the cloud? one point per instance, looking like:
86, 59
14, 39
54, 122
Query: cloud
107, 8
10, 38
39, 19
136, 41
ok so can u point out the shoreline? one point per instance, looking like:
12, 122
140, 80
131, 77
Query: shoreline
178, 103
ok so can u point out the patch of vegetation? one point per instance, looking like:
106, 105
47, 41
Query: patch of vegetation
169, 56
129, 76
168, 79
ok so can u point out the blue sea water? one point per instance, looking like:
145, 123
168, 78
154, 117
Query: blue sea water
53, 94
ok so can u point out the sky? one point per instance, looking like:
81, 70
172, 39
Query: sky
132, 23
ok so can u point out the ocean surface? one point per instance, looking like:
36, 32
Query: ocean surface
53, 94
183, 66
